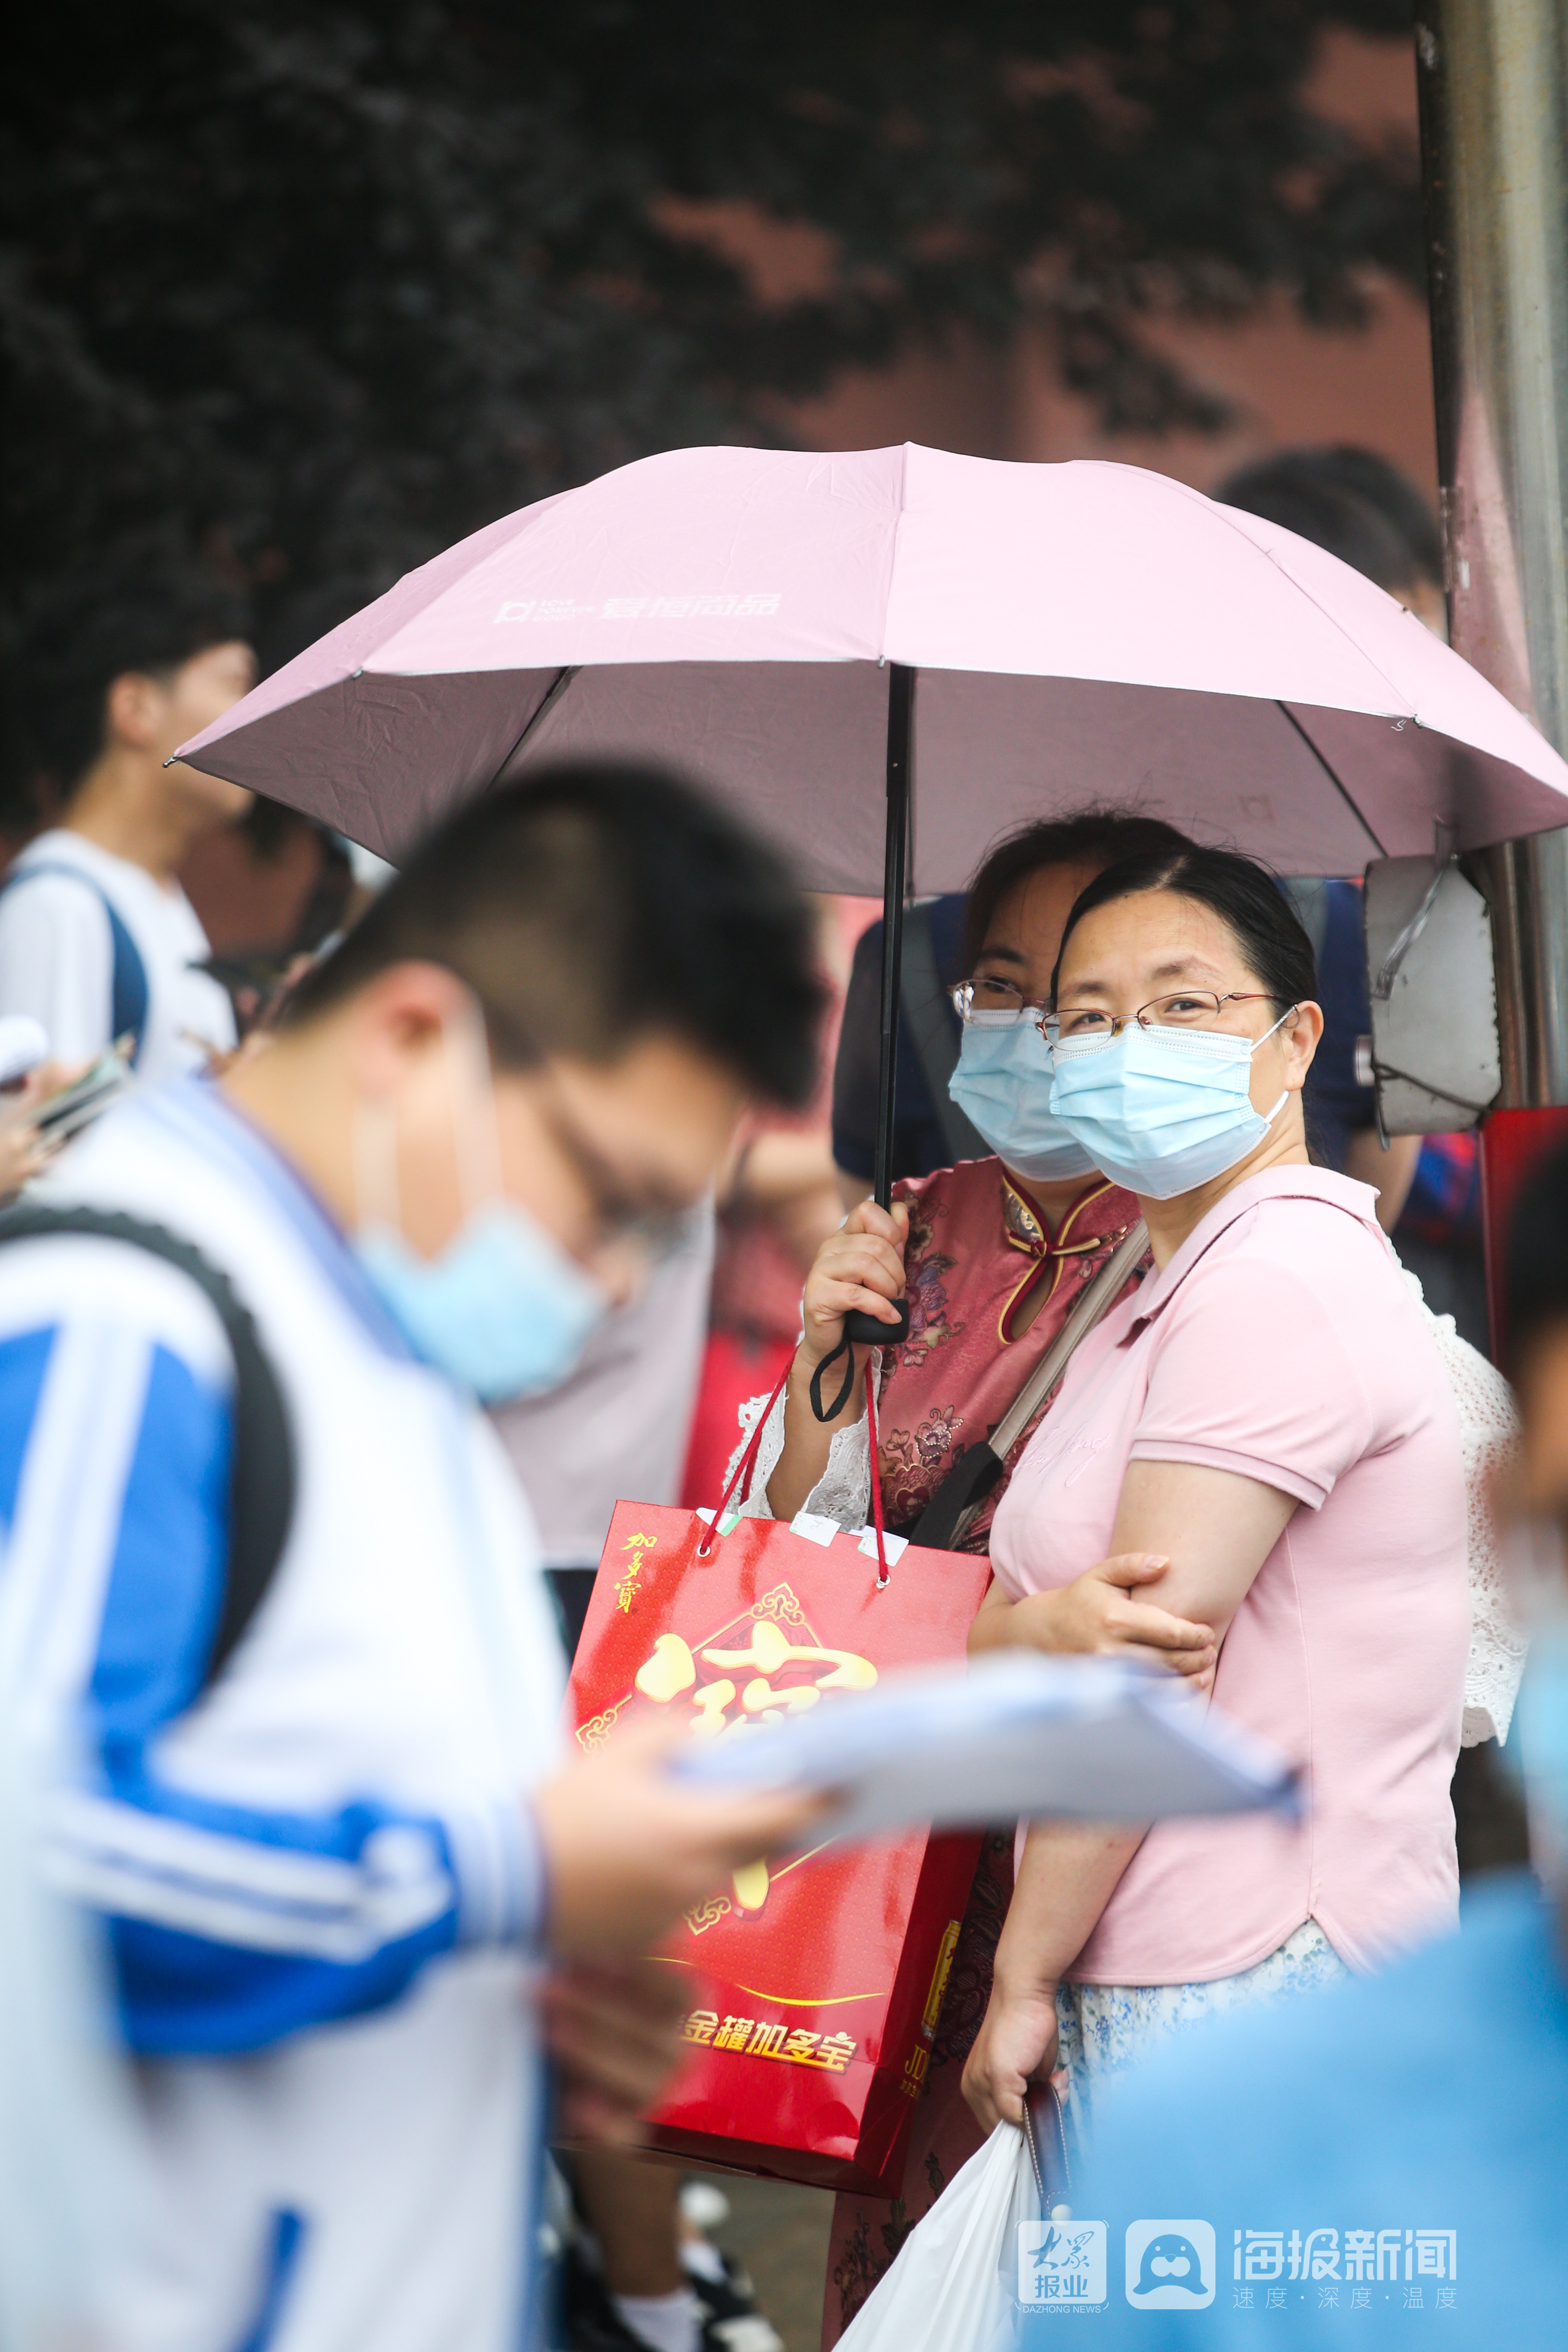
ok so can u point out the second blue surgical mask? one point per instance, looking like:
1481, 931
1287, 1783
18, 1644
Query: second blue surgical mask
1162, 1110
1002, 1086
503, 1308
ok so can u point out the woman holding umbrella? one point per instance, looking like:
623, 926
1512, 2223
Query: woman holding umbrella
1270, 1417
996, 1253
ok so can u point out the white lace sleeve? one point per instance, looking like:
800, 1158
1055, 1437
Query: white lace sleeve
844, 1490
1488, 1438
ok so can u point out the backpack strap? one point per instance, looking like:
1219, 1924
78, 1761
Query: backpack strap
262, 1472
128, 981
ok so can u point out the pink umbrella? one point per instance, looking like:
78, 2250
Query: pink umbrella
1080, 630
760, 618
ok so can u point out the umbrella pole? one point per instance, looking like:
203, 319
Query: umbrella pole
858, 1325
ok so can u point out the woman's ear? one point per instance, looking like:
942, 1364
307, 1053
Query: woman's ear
1300, 1037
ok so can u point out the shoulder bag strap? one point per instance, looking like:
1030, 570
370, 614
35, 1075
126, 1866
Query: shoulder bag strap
947, 1516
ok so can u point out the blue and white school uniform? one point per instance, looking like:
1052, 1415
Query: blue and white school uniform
321, 1883
94, 947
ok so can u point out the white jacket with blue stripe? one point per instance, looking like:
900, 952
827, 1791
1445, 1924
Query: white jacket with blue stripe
320, 1877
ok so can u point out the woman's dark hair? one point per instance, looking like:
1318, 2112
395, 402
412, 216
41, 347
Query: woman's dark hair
1091, 836
1241, 891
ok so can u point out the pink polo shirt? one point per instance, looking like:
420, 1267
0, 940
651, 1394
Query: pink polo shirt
1282, 1343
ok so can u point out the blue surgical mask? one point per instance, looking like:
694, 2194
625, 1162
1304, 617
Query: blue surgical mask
503, 1308
1002, 1086
1162, 1110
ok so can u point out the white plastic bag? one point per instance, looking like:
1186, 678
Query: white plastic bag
947, 2290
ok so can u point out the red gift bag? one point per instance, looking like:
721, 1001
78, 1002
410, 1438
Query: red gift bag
815, 1984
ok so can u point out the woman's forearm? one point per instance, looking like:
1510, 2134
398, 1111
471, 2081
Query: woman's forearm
1067, 1875
807, 1442
1003, 1624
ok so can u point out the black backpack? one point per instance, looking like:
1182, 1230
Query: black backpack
262, 1472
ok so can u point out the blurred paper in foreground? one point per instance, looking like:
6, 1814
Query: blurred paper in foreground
1011, 1737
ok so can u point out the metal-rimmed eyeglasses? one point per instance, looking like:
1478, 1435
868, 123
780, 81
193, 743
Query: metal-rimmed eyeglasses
1085, 1028
985, 1002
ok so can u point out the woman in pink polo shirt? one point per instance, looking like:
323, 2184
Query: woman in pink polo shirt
1267, 1415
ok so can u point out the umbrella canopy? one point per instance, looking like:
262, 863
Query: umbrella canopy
1083, 630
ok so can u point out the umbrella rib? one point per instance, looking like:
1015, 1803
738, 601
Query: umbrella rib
551, 695
1362, 820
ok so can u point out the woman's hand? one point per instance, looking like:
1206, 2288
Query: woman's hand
862, 1265
1016, 2045
1092, 1616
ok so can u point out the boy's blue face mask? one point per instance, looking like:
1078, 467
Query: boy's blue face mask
1002, 1086
503, 1309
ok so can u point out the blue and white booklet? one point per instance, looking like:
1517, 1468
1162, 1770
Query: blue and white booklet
1012, 1736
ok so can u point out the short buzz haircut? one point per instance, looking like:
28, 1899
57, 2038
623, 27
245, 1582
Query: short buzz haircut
147, 607
594, 905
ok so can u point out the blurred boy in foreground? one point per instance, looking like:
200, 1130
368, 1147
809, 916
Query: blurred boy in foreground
349, 1888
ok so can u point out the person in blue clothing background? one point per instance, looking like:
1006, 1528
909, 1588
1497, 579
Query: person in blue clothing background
1395, 2147
349, 1888
97, 939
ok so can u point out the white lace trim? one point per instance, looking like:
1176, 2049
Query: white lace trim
1489, 1441
844, 1490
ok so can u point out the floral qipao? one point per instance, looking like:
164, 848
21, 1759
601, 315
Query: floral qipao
977, 1251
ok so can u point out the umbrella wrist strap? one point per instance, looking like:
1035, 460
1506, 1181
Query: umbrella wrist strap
831, 1411
741, 1476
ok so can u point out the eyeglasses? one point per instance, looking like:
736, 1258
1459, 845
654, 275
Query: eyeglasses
1084, 1029
620, 1221
987, 1003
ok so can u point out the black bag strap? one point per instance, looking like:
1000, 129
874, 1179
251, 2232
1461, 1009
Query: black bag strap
262, 1472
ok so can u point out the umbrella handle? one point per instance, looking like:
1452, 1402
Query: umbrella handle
867, 1331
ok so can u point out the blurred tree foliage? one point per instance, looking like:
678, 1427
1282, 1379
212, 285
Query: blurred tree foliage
322, 287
